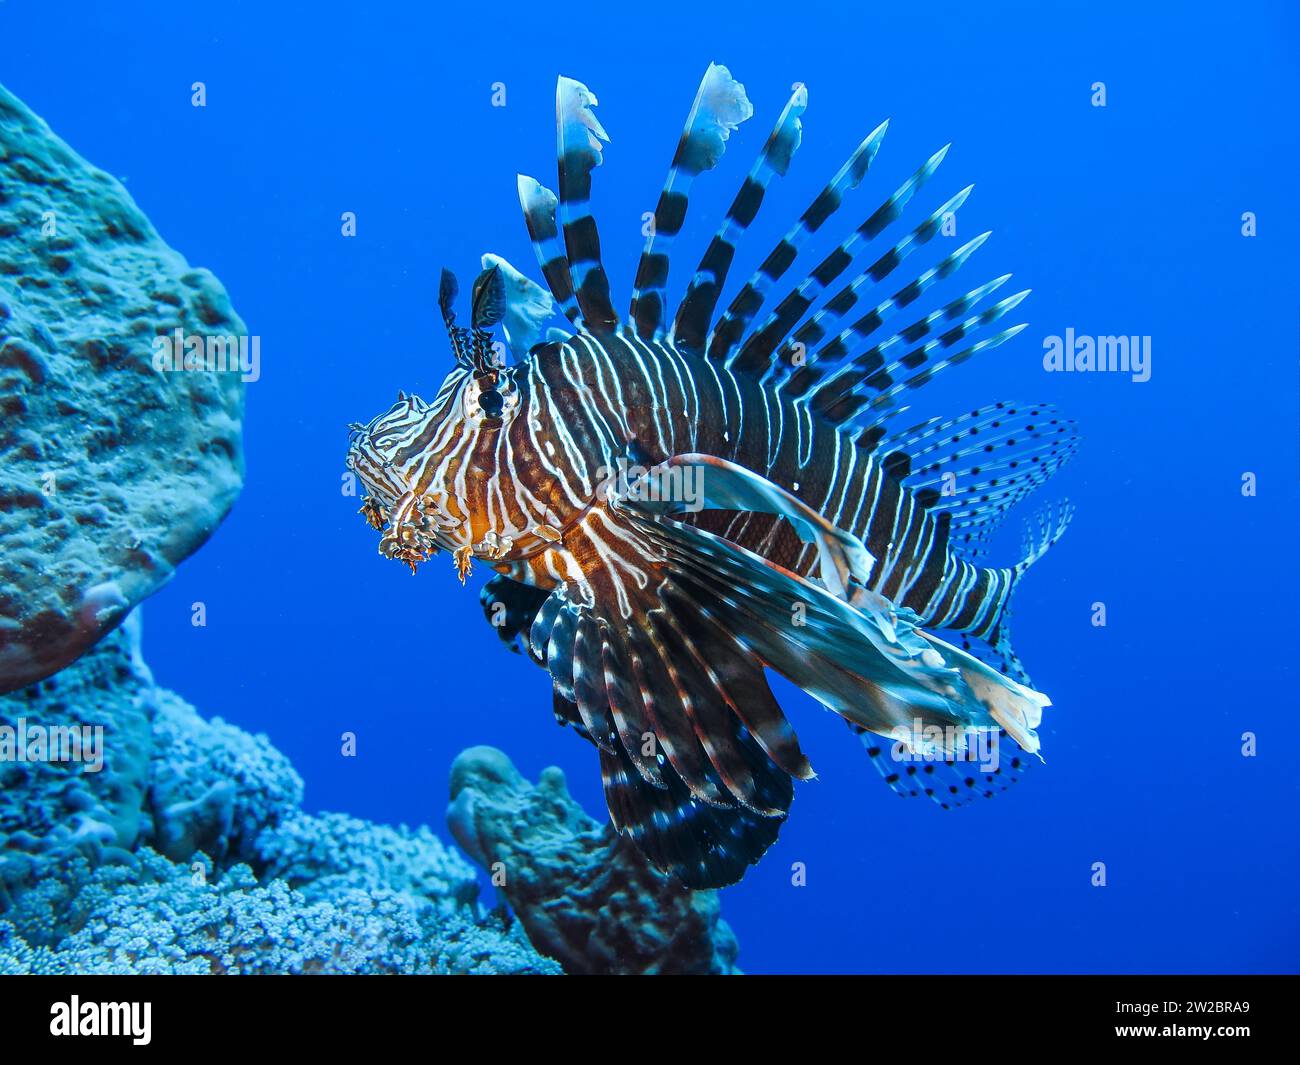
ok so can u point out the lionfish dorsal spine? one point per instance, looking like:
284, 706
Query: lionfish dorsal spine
539, 206
720, 107
755, 354
579, 137
731, 327
816, 328
695, 312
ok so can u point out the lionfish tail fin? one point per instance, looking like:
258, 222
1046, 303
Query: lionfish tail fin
1043, 530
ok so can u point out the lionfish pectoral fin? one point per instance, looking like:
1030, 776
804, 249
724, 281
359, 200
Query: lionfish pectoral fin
696, 753
863, 659
509, 606
701, 845
719, 484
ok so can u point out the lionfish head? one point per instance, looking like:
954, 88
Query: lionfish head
424, 467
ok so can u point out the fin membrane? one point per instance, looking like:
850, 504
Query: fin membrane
948, 782
510, 608
977, 466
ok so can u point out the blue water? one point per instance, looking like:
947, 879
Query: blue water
1124, 220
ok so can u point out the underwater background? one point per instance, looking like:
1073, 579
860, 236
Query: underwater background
1125, 219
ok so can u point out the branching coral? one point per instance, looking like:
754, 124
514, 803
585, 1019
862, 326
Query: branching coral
152, 916
247, 883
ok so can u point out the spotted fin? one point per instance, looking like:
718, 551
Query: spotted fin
977, 466
983, 771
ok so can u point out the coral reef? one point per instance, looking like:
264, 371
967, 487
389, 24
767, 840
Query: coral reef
585, 895
151, 916
330, 853
188, 852
50, 808
213, 787
165, 842
144, 463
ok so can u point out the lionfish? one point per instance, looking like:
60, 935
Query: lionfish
826, 541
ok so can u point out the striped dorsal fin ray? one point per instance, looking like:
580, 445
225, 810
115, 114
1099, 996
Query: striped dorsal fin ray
695, 312
816, 366
720, 107
731, 327
872, 362
539, 203
877, 272
754, 355
579, 136
877, 398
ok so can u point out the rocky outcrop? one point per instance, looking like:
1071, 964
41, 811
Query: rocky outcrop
111, 470
585, 895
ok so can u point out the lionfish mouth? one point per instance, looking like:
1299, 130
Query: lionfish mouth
414, 530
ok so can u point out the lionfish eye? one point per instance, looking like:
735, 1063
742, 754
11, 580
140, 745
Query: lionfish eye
492, 403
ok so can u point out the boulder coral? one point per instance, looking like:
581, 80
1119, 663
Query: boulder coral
113, 470
585, 895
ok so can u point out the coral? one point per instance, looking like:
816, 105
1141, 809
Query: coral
584, 895
114, 471
48, 808
157, 917
213, 787
189, 853
186, 850
328, 853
